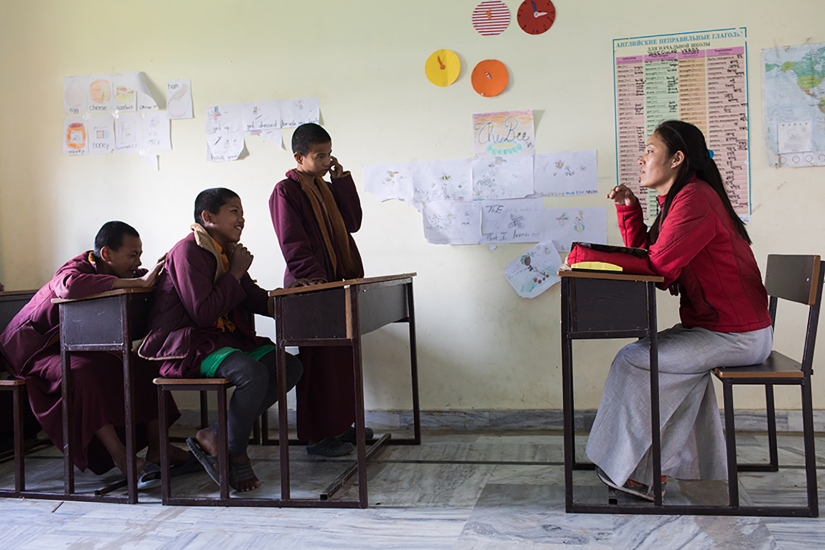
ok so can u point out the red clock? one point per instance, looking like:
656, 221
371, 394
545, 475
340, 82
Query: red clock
536, 16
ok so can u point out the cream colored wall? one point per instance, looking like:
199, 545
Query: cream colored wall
479, 345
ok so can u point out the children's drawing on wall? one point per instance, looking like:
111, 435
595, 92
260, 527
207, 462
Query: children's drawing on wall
505, 133
125, 88
155, 132
295, 112
128, 132
534, 271
101, 131
261, 116
75, 136
224, 146
512, 221
566, 174
502, 177
100, 98
443, 180
179, 99
390, 181
74, 95
224, 132
452, 222
576, 224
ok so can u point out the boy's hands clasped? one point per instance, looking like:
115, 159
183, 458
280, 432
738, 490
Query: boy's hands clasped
240, 261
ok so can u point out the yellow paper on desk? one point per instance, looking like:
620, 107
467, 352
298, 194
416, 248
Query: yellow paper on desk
597, 266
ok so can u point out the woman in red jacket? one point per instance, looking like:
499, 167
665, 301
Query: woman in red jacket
702, 249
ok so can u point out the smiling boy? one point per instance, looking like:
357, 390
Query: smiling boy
314, 220
200, 326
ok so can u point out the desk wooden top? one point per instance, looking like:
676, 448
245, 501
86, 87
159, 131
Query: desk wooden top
611, 276
107, 294
339, 284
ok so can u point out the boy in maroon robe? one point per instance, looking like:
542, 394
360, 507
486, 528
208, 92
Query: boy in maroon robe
30, 344
199, 326
313, 220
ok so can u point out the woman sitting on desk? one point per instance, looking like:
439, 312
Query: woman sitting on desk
702, 249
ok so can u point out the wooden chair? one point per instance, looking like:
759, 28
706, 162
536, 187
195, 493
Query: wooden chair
797, 279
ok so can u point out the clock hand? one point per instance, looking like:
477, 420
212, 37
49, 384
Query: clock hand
440, 64
535, 9
538, 14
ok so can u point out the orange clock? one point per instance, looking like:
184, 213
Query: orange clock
490, 77
536, 16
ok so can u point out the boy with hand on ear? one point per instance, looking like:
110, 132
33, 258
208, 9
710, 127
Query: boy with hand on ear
200, 327
314, 221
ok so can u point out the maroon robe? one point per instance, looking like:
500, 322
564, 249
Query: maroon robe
188, 303
30, 344
326, 390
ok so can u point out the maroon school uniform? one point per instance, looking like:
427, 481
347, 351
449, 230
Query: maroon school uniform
325, 392
192, 293
30, 344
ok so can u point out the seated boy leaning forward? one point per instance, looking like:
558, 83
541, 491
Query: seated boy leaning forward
30, 343
314, 221
200, 326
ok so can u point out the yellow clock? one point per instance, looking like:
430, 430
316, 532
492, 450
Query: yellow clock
442, 67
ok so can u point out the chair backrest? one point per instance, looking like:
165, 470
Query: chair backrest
797, 279
10, 304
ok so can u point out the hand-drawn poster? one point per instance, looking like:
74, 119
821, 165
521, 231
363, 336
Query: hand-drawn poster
275, 136
534, 271
513, 221
101, 134
261, 116
128, 132
502, 177
452, 222
698, 77
156, 132
568, 225
179, 99
505, 133
75, 136
100, 96
125, 89
566, 174
295, 112
443, 180
224, 119
74, 95
390, 181
145, 99
221, 147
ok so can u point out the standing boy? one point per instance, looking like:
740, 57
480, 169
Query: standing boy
314, 220
30, 343
200, 326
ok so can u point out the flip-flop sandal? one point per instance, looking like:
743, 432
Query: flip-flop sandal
191, 465
240, 472
148, 476
209, 462
631, 487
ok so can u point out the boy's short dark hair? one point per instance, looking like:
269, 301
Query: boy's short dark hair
111, 236
211, 200
307, 135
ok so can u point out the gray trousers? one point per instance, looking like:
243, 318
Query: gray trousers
693, 444
256, 390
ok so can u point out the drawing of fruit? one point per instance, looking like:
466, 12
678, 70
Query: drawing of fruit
100, 91
76, 136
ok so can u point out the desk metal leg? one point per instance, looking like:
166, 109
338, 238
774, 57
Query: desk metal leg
414, 366
19, 463
283, 425
65, 387
567, 395
656, 444
358, 371
128, 402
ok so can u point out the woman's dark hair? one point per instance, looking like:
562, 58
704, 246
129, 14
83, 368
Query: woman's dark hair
685, 137
211, 200
111, 236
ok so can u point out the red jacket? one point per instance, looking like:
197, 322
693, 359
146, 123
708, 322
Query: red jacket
700, 250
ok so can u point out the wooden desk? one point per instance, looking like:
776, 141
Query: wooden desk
108, 321
608, 305
338, 314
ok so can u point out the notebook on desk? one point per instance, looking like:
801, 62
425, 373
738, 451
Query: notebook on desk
605, 266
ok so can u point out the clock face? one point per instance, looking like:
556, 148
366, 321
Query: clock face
491, 17
490, 77
536, 16
442, 67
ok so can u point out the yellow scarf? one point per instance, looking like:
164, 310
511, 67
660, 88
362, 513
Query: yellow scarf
331, 224
205, 241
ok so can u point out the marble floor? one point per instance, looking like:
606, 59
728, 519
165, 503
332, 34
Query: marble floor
457, 491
